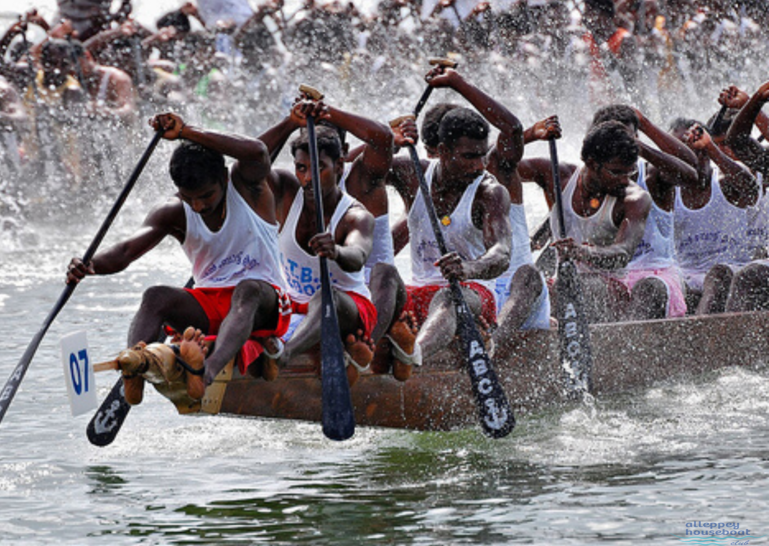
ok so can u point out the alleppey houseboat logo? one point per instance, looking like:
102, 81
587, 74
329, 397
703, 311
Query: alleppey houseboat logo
723, 533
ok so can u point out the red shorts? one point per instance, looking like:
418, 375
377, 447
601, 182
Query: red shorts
366, 311
419, 298
216, 304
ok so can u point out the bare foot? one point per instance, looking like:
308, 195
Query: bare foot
403, 334
361, 351
133, 363
194, 350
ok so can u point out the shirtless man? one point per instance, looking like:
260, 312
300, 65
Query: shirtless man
227, 226
474, 210
605, 214
346, 244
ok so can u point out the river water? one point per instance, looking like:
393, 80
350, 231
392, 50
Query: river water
632, 469
641, 468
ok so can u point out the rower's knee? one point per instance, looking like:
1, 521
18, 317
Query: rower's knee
650, 299
527, 277
750, 289
159, 299
720, 275
250, 292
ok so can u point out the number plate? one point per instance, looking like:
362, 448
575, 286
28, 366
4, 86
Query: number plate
78, 373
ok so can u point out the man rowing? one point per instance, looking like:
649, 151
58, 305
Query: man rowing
346, 243
605, 215
474, 211
225, 221
712, 220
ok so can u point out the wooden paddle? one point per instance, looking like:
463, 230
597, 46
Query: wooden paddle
573, 335
9, 391
496, 415
338, 418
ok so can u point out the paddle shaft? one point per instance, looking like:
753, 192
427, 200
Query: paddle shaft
9, 391
497, 419
576, 355
338, 418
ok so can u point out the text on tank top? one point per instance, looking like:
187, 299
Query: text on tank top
715, 233
302, 270
243, 248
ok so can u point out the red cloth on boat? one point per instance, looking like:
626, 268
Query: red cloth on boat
366, 311
419, 298
216, 304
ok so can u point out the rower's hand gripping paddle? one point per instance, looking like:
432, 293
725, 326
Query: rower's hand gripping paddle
575, 352
338, 418
496, 415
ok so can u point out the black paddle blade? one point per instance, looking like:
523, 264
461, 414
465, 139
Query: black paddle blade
497, 419
338, 418
575, 352
110, 416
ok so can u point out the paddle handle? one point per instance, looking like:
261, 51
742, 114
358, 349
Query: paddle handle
557, 190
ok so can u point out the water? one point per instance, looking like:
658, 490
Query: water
633, 469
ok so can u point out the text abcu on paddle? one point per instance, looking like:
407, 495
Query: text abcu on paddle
9, 391
574, 350
496, 415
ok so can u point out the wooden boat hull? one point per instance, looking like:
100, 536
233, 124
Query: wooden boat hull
438, 395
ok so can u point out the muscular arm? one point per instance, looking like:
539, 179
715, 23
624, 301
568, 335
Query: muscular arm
497, 235
738, 137
377, 157
166, 219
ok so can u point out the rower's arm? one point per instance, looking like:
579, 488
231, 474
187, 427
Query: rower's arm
276, 136
497, 235
378, 154
509, 147
671, 170
167, 219
253, 160
738, 137
666, 142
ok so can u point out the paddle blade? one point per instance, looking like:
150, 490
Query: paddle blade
106, 422
575, 352
497, 419
338, 418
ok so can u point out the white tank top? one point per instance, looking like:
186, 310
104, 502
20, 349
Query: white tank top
521, 249
243, 248
461, 235
597, 229
383, 250
657, 249
302, 270
715, 233
758, 217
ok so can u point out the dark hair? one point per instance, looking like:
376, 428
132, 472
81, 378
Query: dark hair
175, 19
328, 142
605, 6
721, 128
616, 112
462, 122
194, 166
610, 140
56, 47
339, 131
681, 124
432, 123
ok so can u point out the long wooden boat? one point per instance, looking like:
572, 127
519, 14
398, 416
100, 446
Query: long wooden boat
627, 356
